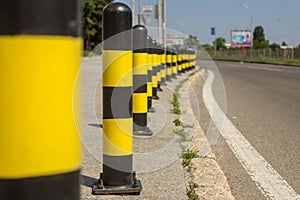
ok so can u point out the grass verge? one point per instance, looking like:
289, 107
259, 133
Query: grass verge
263, 61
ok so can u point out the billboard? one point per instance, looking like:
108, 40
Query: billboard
241, 38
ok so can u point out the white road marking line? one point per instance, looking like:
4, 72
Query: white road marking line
270, 183
264, 68
252, 67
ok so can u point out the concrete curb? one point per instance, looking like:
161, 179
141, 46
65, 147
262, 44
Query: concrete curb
205, 172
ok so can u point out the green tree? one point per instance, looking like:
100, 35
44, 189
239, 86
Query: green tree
274, 46
220, 43
92, 22
283, 43
259, 34
192, 41
207, 47
259, 40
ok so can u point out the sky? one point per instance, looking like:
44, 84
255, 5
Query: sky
279, 18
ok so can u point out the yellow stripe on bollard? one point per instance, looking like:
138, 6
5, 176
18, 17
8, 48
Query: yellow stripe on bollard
140, 105
113, 74
117, 138
140, 63
37, 109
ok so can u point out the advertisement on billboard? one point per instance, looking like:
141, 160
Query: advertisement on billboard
241, 38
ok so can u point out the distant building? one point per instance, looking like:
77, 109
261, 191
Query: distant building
175, 40
227, 45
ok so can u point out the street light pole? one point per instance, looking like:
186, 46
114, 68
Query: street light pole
140, 12
159, 21
251, 27
133, 11
165, 22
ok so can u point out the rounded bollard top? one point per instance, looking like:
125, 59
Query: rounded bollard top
117, 7
117, 18
140, 39
141, 28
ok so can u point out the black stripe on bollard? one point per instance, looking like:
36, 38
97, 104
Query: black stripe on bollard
140, 70
149, 81
117, 176
33, 17
40, 157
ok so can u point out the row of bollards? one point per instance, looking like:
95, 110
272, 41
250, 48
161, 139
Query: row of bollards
135, 67
40, 54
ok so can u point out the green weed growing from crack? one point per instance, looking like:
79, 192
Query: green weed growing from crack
191, 193
187, 157
177, 122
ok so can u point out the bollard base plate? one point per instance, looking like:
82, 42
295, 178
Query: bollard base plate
146, 132
100, 189
159, 89
152, 110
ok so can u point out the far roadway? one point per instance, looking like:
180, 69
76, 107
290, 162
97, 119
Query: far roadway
263, 103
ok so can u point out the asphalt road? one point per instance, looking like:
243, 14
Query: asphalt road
263, 102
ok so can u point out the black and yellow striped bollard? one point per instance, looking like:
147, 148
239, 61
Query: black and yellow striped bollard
149, 81
185, 60
117, 176
190, 59
179, 62
163, 65
154, 70
194, 58
159, 67
169, 64
174, 63
40, 54
140, 71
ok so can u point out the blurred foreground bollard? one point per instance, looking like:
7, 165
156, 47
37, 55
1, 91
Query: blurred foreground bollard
140, 72
40, 55
150, 68
117, 176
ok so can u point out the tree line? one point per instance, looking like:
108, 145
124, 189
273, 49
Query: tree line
92, 22
259, 41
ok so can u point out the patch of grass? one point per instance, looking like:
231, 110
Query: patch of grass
176, 105
176, 111
191, 193
187, 157
260, 60
175, 98
177, 122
